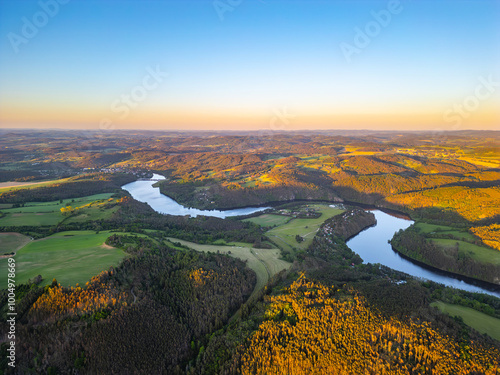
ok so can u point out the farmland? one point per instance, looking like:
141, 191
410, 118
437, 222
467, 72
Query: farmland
285, 235
70, 257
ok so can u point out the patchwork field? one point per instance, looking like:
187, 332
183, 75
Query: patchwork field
49, 213
285, 235
265, 262
480, 322
70, 257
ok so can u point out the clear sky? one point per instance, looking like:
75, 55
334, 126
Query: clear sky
250, 64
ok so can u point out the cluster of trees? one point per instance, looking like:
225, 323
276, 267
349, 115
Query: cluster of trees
490, 235
150, 314
415, 245
312, 328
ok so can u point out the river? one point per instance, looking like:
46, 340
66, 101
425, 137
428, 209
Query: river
371, 244
144, 191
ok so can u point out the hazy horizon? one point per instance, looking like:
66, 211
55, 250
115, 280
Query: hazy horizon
250, 65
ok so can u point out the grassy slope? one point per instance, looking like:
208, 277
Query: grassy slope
480, 322
48, 213
479, 253
56, 205
269, 220
284, 235
8, 186
265, 262
10, 242
70, 257
443, 229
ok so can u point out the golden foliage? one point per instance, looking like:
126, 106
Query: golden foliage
58, 302
313, 329
200, 276
490, 235
472, 204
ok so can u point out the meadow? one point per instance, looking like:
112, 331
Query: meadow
10, 242
49, 213
269, 220
70, 257
285, 235
445, 230
480, 322
479, 253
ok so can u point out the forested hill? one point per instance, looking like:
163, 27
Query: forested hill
149, 315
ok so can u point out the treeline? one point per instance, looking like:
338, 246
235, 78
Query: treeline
149, 315
415, 245
329, 242
76, 187
366, 319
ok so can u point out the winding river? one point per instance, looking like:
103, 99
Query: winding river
144, 191
371, 244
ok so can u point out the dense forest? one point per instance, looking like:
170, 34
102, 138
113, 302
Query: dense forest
147, 315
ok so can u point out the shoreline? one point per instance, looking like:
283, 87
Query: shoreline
469, 280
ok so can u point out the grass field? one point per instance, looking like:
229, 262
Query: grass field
482, 254
10, 242
480, 322
48, 213
70, 257
56, 205
265, 262
284, 235
8, 186
269, 220
443, 229
31, 219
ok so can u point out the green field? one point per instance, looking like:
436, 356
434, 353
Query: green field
480, 322
49, 213
479, 253
56, 205
29, 185
265, 262
269, 220
284, 235
10, 242
444, 230
70, 257
31, 219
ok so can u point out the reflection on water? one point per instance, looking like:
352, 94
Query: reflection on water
372, 245
143, 191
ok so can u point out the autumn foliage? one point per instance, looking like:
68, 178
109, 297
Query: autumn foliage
314, 329
490, 235
60, 302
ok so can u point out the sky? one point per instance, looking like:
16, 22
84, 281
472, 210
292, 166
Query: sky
250, 64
